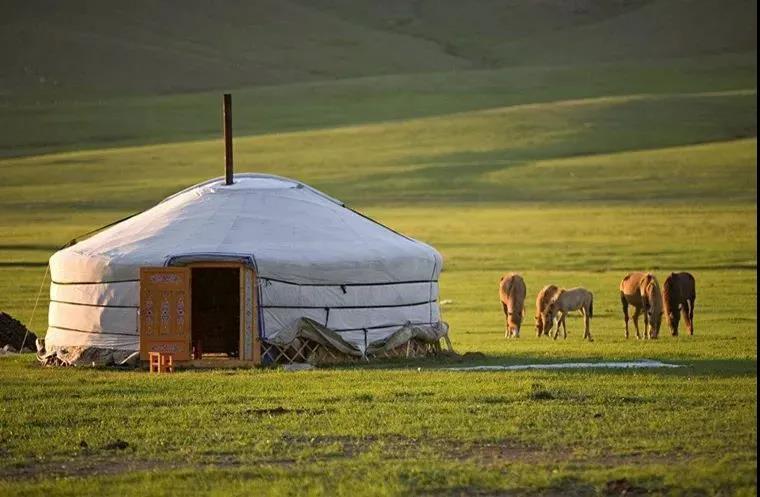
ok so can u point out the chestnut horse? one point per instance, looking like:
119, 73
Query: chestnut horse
512, 295
679, 293
642, 291
564, 301
542, 301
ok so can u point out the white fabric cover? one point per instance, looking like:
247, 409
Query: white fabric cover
311, 254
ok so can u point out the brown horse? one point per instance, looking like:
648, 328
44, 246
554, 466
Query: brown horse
565, 301
679, 293
642, 291
542, 301
512, 295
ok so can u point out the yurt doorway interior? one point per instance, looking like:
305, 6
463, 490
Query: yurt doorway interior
215, 312
200, 313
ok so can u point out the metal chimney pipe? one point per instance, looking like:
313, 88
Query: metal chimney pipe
227, 111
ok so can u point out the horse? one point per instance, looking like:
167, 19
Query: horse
679, 293
542, 301
512, 295
564, 301
642, 291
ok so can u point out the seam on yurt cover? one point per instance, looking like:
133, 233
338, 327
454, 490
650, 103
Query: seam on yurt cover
381, 306
342, 330
385, 283
91, 282
94, 332
96, 305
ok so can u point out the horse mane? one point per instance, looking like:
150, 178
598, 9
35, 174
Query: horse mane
557, 295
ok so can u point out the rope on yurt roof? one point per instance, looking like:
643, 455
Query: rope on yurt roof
75, 240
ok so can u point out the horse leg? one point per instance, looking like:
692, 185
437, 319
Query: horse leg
625, 312
684, 310
647, 335
506, 320
587, 325
690, 321
636, 313
558, 322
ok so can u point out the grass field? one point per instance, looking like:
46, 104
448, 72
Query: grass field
570, 141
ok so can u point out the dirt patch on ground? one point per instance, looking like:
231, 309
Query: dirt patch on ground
119, 457
623, 487
81, 467
280, 411
498, 453
15, 334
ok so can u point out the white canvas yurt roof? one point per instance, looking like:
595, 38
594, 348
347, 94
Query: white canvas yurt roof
313, 257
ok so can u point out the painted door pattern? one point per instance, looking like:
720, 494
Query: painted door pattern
250, 346
164, 316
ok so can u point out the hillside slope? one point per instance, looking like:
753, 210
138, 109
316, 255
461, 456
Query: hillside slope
168, 47
87, 48
543, 32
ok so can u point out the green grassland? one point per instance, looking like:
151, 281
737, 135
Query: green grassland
570, 141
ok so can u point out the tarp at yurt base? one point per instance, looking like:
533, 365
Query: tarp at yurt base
322, 270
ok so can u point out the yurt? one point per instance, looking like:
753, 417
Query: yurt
265, 269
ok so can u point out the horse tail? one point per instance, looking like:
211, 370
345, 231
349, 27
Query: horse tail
693, 286
624, 301
591, 307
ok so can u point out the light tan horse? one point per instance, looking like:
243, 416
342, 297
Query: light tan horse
565, 301
512, 295
542, 301
679, 293
642, 291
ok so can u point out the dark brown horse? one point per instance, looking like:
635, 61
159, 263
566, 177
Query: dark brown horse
678, 294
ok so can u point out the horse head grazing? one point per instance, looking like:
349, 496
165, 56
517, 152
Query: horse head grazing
539, 324
550, 312
512, 295
653, 306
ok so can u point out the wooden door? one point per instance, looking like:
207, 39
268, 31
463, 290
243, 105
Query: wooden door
250, 344
165, 311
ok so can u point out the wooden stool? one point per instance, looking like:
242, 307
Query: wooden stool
159, 362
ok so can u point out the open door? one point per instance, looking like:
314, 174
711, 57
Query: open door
165, 311
250, 342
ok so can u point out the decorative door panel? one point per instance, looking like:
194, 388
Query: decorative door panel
250, 346
165, 311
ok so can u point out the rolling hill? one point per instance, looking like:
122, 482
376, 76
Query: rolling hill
86, 48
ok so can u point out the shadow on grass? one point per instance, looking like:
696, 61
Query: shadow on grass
690, 367
719, 368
